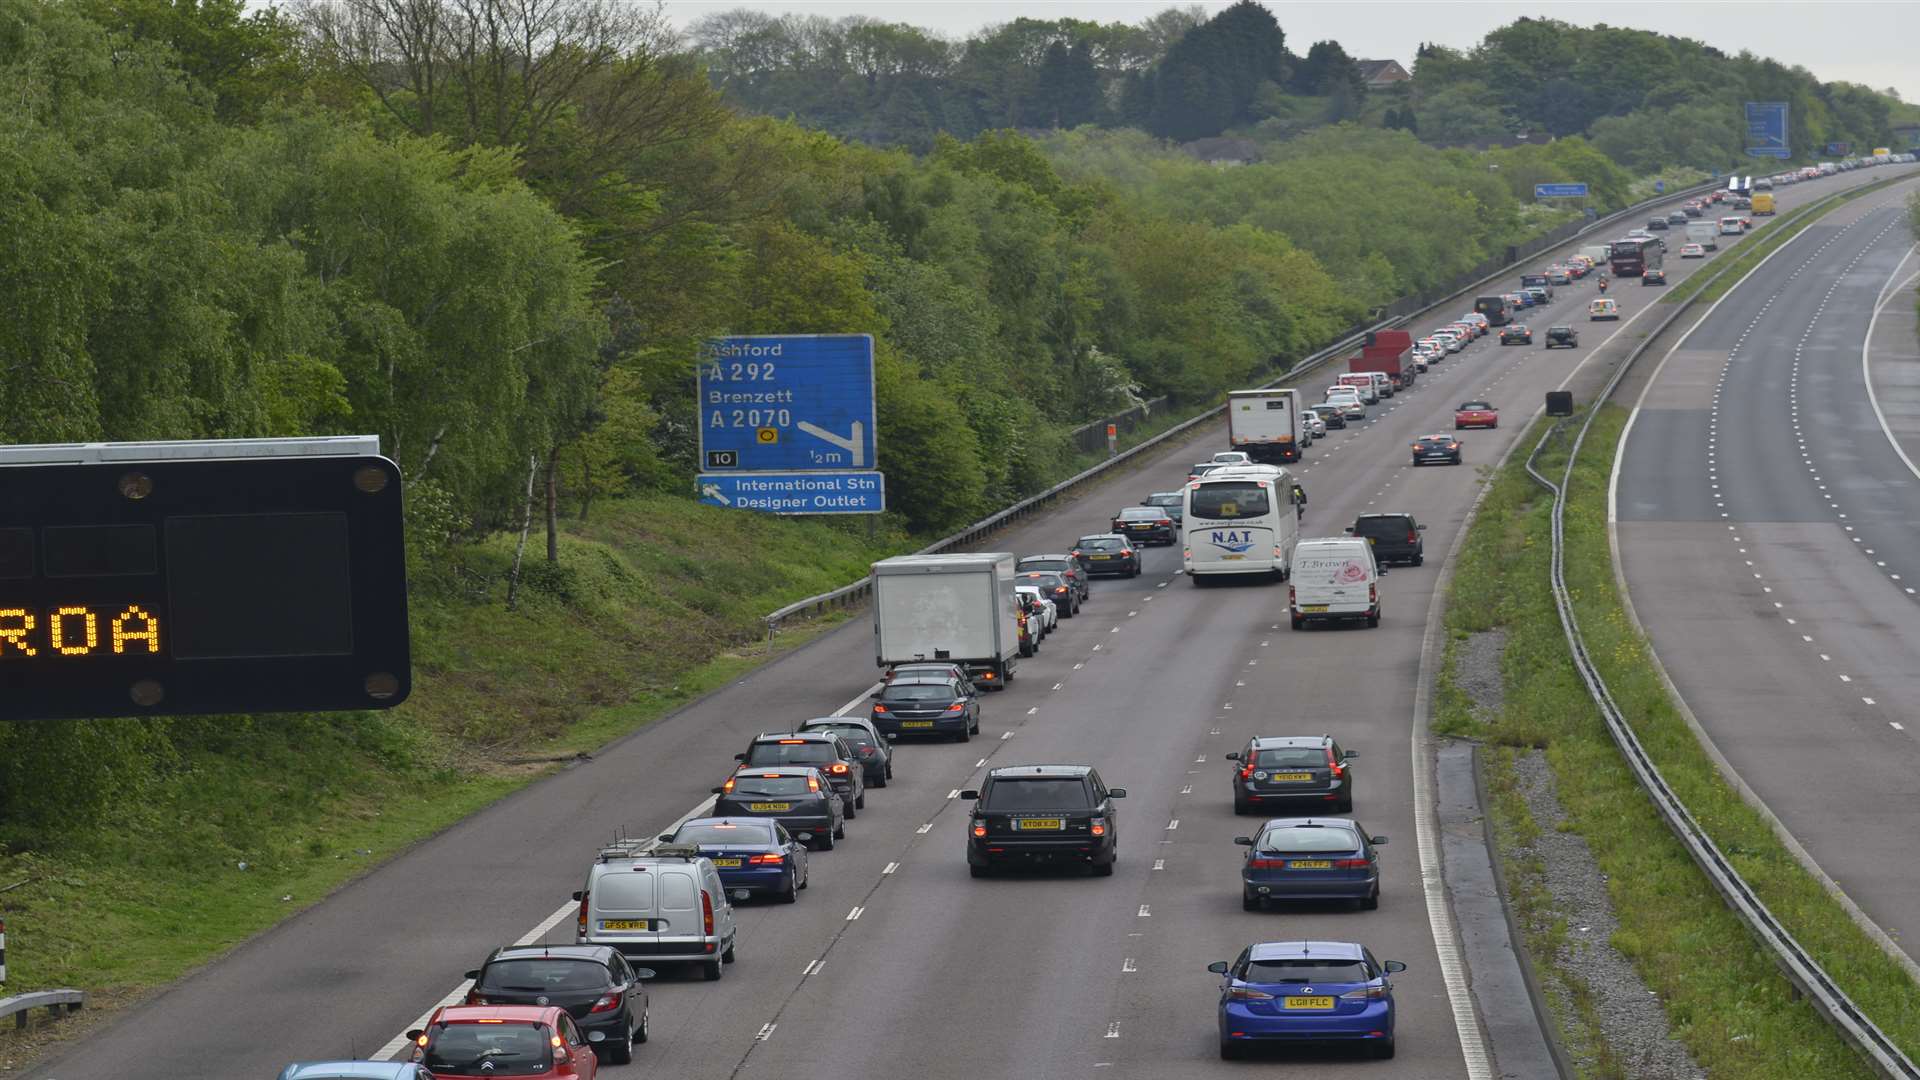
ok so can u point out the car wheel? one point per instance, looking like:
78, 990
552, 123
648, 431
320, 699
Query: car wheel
1232, 1051
1384, 1048
712, 970
1372, 902
643, 1032
877, 781
1299, 623
976, 725
825, 843
840, 832
889, 768
806, 880
1104, 869
979, 871
1373, 620
849, 810
728, 955
1248, 901
620, 1051
1418, 559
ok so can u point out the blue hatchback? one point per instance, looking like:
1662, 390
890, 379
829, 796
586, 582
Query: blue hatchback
753, 855
1306, 991
1310, 859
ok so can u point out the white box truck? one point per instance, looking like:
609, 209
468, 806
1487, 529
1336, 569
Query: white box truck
1265, 424
960, 608
1704, 233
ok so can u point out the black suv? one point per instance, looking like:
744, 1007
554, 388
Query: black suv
1042, 813
1657, 224
1145, 523
1065, 565
927, 707
1562, 335
1109, 553
797, 796
1395, 537
594, 983
1274, 771
821, 750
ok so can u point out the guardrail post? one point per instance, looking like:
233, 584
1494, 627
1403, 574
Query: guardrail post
3, 952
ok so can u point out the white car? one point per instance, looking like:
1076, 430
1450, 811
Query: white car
1314, 424
1451, 340
1478, 320
1347, 399
1232, 457
1049, 615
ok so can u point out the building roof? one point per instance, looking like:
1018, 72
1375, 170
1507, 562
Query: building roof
1382, 72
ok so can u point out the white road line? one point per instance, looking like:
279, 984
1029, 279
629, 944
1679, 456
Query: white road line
813, 968
1188, 790
1007, 734
1033, 710
1128, 966
1113, 1030
1866, 362
1173, 824
954, 794
1159, 864
1146, 911
1868, 700
924, 829
979, 763
1896, 725
765, 1032
890, 868
855, 914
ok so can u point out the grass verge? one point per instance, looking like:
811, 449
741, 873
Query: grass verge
1723, 995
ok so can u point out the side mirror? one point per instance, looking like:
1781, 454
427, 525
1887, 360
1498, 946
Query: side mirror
1218, 967
414, 1035
1117, 793
474, 974
875, 696
1235, 756
739, 757
1420, 528
1394, 966
579, 896
1243, 841
666, 837
1378, 839
1349, 754
1349, 530
645, 973
969, 793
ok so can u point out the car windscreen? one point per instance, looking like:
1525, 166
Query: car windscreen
1046, 581
1375, 526
852, 733
1305, 971
509, 1049
1171, 498
1147, 512
920, 692
1037, 793
1308, 838
1231, 500
1291, 757
801, 753
1475, 406
1042, 564
1104, 543
544, 974
771, 785
718, 835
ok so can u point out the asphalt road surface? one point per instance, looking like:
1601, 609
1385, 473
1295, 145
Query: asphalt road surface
895, 962
1765, 523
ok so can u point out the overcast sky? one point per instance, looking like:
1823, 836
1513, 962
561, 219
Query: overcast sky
1862, 42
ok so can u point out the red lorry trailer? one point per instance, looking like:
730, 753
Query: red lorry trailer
1388, 352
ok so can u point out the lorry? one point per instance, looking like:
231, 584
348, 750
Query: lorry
960, 608
1599, 253
1265, 424
1762, 204
1389, 352
1704, 233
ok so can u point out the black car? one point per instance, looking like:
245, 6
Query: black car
1676, 218
594, 983
1054, 586
1042, 814
822, 750
1332, 417
1171, 503
1108, 553
1145, 523
927, 707
1395, 537
1309, 770
1658, 224
875, 751
1516, 334
1563, 335
1068, 567
1653, 275
797, 796
1441, 448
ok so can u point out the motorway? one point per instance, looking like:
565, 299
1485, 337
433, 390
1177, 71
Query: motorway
895, 961
1764, 520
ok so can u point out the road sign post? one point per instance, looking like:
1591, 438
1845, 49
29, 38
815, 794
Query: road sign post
1113, 439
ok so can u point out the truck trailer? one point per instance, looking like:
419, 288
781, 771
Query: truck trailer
960, 608
1388, 352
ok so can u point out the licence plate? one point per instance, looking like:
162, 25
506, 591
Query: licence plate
1291, 775
726, 862
1310, 864
769, 806
1314, 607
626, 924
916, 723
1231, 558
1308, 1003
1039, 823
1101, 558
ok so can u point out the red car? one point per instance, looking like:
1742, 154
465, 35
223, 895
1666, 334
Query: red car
1475, 414
527, 1042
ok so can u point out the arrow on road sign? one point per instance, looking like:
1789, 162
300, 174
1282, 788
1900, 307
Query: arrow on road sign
852, 444
712, 492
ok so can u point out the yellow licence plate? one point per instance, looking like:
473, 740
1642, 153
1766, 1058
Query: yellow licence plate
1231, 558
1310, 864
726, 862
761, 807
1039, 823
1098, 558
1291, 776
1314, 607
626, 924
1308, 1003
916, 723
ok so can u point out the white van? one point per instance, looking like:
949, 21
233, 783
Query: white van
1704, 233
1334, 577
1364, 382
1240, 521
660, 906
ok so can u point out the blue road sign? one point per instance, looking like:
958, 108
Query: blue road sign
1767, 129
796, 493
1661, 185
787, 402
1559, 191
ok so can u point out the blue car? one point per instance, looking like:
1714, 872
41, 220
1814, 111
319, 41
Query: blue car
355, 1070
1310, 859
1306, 991
755, 856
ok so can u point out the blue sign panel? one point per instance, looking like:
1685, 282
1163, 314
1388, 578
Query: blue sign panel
781, 403
1659, 186
1767, 129
796, 493
1559, 191
1838, 149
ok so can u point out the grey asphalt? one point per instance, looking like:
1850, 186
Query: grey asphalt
895, 959
1782, 601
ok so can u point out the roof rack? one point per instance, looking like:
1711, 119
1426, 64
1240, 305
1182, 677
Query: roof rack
626, 848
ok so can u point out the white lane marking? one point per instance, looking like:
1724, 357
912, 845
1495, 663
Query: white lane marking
1846, 678
1239, 682
1033, 710
1201, 760
1113, 1030
979, 763
954, 794
813, 968
924, 829
1173, 824
1866, 361
1131, 614
890, 868
1159, 864
1188, 790
1057, 686
1825, 657
1868, 700
856, 913
1077, 667
1115, 630
1896, 725
765, 1032
1007, 734
856, 702
1146, 911
1128, 966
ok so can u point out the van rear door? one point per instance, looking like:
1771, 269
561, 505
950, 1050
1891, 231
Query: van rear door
682, 917
623, 910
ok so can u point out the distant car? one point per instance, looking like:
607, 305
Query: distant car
1475, 414
1395, 537
1692, 251
1563, 335
1310, 859
1603, 309
1557, 275
511, 1040
1314, 423
1289, 992
1145, 523
593, 983
928, 707
1053, 585
1328, 415
1174, 502
1026, 814
1195, 472
822, 750
355, 1070
1309, 771
930, 669
1653, 275
754, 856
1067, 565
875, 753
1677, 218
1232, 457
1659, 224
1540, 295
1692, 210
1111, 553
1441, 448
1516, 334
1518, 300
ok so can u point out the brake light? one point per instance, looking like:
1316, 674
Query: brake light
1293, 597
879, 708
1060, 588
1338, 770
607, 1003
1373, 594
1099, 827
1266, 864
1164, 521
1349, 864
979, 828
1413, 537
581, 921
837, 767
1246, 768
1248, 993
706, 913
988, 676
813, 783
767, 860
793, 742
1365, 993
957, 706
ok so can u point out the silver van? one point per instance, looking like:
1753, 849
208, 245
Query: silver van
658, 905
